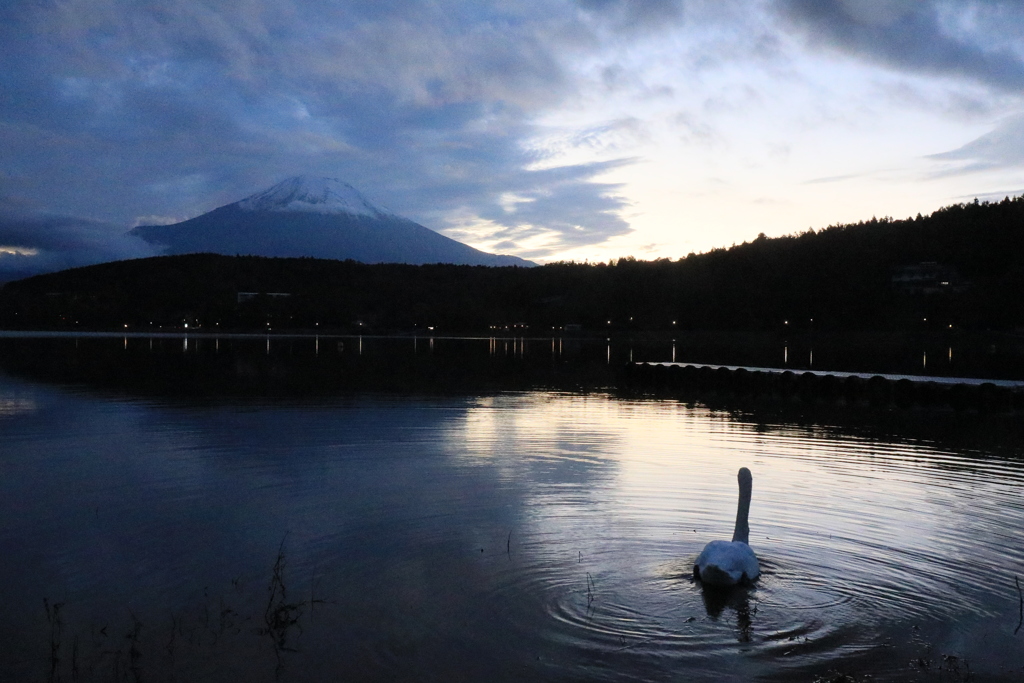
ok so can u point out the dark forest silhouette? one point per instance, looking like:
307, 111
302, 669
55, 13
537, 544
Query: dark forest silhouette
963, 266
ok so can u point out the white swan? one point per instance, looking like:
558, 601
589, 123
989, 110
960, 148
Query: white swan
728, 563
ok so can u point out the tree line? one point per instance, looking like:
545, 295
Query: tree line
841, 277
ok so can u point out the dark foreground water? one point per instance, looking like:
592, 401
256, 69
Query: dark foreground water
482, 535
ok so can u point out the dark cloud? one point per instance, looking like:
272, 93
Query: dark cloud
974, 39
565, 206
114, 110
37, 244
117, 109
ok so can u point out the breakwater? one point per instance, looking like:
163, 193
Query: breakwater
878, 389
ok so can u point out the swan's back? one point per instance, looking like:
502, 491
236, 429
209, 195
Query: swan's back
726, 563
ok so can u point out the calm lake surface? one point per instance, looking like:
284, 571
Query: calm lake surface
507, 528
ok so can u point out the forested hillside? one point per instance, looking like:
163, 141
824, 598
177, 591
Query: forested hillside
962, 266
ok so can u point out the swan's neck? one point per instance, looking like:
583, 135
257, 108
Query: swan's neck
742, 531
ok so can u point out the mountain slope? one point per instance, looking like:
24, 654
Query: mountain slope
318, 217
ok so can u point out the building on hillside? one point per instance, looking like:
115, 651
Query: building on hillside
927, 277
249, 296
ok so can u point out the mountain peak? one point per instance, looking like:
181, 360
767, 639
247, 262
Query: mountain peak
314, 216
312, 194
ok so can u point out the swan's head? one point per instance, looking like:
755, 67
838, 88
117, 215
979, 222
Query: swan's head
745, 477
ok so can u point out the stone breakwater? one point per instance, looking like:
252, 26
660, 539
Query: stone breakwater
959, 393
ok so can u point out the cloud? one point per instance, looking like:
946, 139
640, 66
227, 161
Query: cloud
609, 137
635, 15
30, 245
957, 103
976, 39
1003, 147
116, 109
564, 207
993, 196
979, 43
832, 179
545, 210
695, 130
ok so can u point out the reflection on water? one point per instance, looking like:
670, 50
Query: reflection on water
11, 406
983, 355
487, 535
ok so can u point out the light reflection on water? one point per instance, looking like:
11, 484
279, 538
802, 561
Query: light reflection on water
531, 535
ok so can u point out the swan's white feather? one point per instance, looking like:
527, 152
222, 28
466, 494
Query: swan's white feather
727, 563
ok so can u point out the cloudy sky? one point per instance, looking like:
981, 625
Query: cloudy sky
550, 129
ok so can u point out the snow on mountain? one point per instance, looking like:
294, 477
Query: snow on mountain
312, 194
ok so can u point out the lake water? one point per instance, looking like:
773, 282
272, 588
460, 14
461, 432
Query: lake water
479, 532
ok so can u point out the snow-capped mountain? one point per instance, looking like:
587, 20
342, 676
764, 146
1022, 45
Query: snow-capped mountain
318, 217
313, 195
